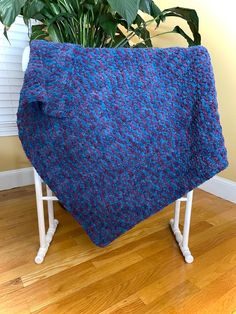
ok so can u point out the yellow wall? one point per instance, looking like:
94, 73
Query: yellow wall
11, 154
218, 29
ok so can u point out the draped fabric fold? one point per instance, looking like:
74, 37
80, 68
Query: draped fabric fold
118, 134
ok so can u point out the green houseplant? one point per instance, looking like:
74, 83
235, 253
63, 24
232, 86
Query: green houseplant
97, 23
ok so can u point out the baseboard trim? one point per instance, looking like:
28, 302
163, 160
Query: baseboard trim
221, 187
16, 178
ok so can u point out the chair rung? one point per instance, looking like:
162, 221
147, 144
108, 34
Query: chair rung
183, 199
49, 198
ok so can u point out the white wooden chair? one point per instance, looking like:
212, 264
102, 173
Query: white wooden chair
45, 237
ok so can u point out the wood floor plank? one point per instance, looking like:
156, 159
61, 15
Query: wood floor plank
224, 304
207, 267
202, 272
88, 305
210, 294
130, 305
140, 272
173, 297
130, 278
56, 287
13, 303
86, 250
10, 286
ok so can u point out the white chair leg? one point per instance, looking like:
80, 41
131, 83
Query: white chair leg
175, 222
41, 223
52, 222
182, 239
44, 238
185, 249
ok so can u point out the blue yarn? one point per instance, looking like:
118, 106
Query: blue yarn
118, 134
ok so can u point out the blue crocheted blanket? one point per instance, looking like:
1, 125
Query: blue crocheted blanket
118, 134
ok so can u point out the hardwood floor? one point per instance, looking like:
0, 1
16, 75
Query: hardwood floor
141, 272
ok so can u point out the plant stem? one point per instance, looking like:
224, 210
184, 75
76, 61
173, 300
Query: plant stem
143, 41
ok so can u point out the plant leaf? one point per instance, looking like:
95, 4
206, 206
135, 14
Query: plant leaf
190, 16
145, 6
179, 30
149, 7
108, 23
5, 34
141, 31
140, 45
38, 32
9, 9
32, 8
54, 33
127, 9
120, 41
155, 11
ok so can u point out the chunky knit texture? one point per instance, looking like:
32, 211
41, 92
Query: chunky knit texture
118, 134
